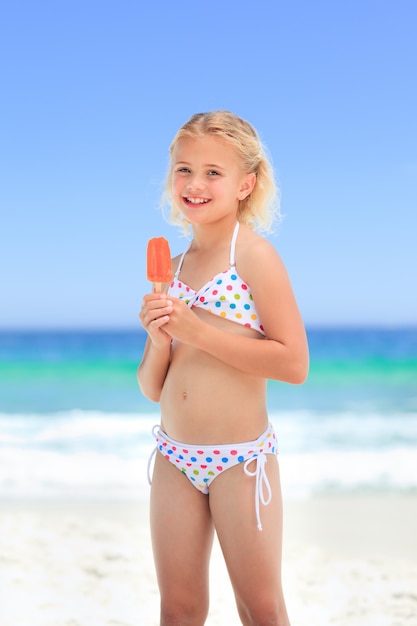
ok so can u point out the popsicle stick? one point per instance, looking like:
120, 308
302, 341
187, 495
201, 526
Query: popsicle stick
157, 287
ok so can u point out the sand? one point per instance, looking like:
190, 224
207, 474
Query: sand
347, 561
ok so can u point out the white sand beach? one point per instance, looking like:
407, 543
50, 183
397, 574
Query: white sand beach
348, 561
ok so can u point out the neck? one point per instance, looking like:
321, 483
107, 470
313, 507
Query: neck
213, 235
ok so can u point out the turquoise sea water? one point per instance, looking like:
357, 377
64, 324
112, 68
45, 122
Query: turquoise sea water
72, 419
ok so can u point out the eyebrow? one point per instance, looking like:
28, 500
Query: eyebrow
213, 165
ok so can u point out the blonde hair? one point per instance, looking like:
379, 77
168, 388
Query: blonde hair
261, 207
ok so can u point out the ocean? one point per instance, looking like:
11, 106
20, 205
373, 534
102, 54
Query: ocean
73, 422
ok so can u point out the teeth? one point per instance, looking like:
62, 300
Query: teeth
196, 200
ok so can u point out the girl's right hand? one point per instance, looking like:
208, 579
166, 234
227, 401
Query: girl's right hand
155, 311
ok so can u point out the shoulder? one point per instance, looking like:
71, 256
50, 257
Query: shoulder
261, 267
256, 256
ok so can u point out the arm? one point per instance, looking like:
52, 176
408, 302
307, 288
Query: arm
156, 357
267, 359
286, 361
283, 355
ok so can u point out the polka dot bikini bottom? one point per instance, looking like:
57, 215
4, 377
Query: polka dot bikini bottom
202, 464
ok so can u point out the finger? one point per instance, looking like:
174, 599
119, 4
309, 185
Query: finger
153, 311
158, 322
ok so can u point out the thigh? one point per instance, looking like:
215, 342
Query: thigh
182, 534
253, 557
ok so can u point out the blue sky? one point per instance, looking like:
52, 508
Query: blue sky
92, 93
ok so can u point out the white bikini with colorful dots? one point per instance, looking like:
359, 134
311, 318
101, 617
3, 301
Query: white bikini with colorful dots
201, 464
225, 295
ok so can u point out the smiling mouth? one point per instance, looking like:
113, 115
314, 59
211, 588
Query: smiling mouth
196, 201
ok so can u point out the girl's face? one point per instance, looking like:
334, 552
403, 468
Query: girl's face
207, 180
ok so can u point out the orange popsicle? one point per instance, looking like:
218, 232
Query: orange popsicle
159, 268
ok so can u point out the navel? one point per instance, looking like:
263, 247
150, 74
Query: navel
184, 395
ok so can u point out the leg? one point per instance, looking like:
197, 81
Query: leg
182, 538
253, 558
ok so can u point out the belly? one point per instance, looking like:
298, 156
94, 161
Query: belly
206, 401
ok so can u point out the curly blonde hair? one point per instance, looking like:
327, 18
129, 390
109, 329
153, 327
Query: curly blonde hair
261, 207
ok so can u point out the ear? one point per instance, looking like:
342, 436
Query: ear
247, 186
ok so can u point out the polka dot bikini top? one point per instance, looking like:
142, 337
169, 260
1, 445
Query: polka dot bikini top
225, 295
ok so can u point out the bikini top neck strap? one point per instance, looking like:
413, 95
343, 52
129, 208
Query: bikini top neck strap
233, 245
177, 273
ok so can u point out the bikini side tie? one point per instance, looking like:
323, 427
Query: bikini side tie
154, 433
262, 483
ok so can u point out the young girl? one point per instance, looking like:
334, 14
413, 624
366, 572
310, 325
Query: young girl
227, 323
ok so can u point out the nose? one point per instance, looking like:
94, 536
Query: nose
195, 183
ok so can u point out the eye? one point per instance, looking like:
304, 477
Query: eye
183, 170
213, 173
